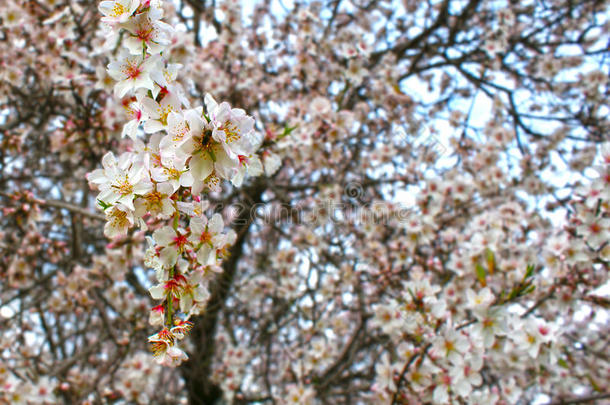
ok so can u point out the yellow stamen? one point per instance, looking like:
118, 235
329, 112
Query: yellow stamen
231, 131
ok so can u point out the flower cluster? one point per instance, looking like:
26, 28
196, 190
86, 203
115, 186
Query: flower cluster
438, 232
158, 184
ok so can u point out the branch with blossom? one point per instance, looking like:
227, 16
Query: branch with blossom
191, 150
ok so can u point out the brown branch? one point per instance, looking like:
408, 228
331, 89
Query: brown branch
403, 373
73, 208
402, 47
580, 400
58, 204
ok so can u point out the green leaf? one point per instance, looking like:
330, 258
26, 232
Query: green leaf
527, 289
411, 294
103, 205
593, 383
481, 274
491, 260
529, 271
287, 131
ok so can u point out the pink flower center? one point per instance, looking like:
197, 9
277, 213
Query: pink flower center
144, 34
206, 237
595, 228
132, 71
180, 241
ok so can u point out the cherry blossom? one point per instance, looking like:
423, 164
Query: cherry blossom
310, 202
118, 11
132, 72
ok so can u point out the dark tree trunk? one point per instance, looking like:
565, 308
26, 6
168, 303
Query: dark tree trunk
197, 371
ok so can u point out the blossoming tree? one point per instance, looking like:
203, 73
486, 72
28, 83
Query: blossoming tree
289, 202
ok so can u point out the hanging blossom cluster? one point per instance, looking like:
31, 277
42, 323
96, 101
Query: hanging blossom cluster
158, 184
